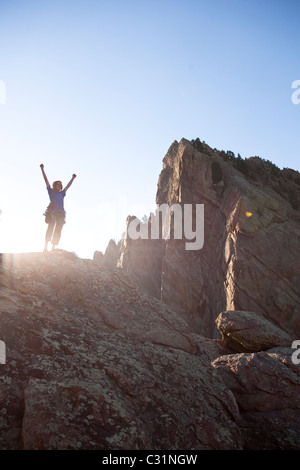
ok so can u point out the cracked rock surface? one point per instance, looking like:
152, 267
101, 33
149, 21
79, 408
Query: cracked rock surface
92, 362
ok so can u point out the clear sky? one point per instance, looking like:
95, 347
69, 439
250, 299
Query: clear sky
102, 89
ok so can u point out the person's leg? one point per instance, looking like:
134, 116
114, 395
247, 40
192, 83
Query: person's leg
60, 220
49, 234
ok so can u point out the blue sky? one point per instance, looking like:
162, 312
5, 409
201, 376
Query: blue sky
103, 88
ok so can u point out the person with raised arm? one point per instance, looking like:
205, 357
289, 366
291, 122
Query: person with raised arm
55, 212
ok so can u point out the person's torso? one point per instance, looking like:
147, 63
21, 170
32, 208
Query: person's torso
57, 198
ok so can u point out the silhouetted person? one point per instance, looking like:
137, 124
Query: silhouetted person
55, 213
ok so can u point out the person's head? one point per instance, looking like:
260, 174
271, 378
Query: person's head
57, 186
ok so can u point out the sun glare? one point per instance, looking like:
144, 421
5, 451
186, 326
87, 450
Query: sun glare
17, 236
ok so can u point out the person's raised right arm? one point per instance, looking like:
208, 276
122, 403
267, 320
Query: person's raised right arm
44, 175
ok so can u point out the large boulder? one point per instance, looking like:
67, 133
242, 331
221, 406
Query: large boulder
266, 387
248, 331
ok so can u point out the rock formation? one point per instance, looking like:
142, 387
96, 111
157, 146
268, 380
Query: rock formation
250, 258
154, 347
92, 362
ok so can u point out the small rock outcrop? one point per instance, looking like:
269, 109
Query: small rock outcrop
110, 257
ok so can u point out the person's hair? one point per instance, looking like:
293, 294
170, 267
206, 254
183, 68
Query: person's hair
55, 182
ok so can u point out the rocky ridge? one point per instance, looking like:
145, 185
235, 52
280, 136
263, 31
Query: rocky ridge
92, 362
151, 346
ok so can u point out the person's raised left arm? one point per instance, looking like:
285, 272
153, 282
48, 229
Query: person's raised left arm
70, 182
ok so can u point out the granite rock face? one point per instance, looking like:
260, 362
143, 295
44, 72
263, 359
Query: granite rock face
92, 362
265, 380
266, 386
250, 258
